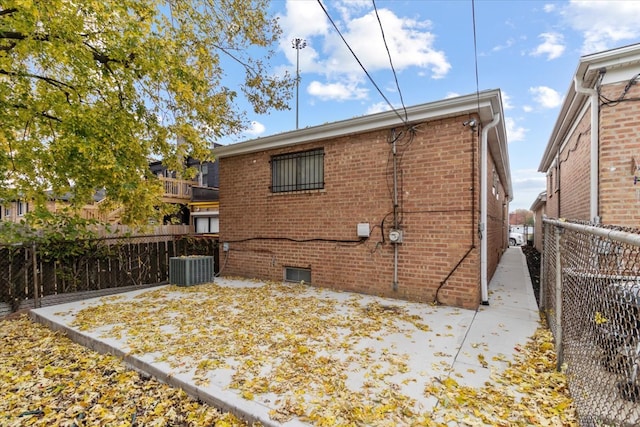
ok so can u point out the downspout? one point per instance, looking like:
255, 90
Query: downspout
395, 211
484, 167
595, 135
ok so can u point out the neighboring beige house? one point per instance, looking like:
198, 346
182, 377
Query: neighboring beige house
198, 199
539, 211
13, 211
592, 160
413, 208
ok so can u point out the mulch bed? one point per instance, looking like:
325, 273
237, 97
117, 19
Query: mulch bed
533, 262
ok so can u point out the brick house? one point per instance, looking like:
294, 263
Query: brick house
538, 208
411, 208
592, 159
197, 198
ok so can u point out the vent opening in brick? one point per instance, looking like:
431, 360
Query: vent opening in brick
292, 274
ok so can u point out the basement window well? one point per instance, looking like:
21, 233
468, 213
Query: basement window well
293, 274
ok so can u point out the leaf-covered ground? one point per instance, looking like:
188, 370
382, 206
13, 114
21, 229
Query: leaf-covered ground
290, 347
47, 380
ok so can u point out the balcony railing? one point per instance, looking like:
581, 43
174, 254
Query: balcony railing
107, 216
177, 190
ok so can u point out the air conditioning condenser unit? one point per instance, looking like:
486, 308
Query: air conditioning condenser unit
191, 270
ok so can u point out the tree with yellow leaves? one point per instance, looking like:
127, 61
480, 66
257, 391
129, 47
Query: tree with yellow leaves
91, 90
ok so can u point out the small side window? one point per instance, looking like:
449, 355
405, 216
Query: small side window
297, 171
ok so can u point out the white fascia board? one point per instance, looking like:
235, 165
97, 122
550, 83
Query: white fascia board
588, 69
487, 101
590, 65
539, 201
497, 142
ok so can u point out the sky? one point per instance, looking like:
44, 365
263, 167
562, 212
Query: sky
527, 49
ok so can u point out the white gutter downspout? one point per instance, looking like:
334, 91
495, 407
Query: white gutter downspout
595, 130
484, 168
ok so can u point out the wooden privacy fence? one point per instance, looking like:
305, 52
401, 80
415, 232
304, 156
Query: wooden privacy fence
40, 274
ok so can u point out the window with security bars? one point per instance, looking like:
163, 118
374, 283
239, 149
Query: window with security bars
297, 171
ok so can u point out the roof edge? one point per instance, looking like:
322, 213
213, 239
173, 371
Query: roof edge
588, 67
540, 200
488, 101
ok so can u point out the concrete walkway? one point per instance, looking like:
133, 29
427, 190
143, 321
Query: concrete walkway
465, 344
511, 317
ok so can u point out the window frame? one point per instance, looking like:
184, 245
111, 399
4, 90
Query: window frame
297, 171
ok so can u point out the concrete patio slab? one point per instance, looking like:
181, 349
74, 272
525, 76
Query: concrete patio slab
423, 344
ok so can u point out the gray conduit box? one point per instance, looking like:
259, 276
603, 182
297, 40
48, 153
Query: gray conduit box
363, 229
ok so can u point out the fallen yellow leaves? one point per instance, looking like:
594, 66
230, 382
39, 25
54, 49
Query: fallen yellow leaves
278, 339
599, 318
304, 355
528, 392
289, 342
47, 380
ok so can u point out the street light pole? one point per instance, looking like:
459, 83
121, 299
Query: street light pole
298, 44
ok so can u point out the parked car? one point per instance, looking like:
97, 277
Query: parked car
516, 239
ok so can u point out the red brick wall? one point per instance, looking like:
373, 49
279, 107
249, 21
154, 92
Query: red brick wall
575, 161
497, 219
619, 157
619, 151
437, 174
568, 180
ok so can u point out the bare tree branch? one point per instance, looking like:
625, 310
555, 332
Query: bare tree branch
14, 36
53, 82
8, 11
41, 113
246, 66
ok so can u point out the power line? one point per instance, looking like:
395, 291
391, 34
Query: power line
360, 63
475, 51
395, 76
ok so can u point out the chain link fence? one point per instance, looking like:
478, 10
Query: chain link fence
590, 293
39, 274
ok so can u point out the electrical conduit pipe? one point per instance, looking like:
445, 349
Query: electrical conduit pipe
595, 129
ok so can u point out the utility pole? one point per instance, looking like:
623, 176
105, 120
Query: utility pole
298, 44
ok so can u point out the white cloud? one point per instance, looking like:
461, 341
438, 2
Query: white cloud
546, 97
514, 132
336, 91
506, 104
348, 7
378, 108
527, 108
255, 129
451, 95
552, 46
549, 7
410, 43
529, 178
510, 42
603, 24
303, 21
527, 185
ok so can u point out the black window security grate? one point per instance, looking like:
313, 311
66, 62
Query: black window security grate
297, 171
